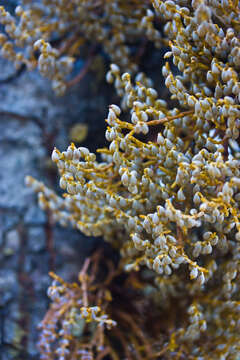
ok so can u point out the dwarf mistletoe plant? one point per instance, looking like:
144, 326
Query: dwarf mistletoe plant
167, 189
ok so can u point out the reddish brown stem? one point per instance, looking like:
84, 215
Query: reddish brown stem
83, 72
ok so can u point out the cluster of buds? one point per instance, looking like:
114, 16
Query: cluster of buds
29, 37
166, 192
75, 329
71, 317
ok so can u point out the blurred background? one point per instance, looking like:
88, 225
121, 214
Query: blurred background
32, 121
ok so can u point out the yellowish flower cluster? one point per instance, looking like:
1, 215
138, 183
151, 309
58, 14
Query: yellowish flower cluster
29, 39
167, 190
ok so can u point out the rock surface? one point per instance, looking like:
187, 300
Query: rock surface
32, 121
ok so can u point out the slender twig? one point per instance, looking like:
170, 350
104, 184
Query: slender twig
141, 50
103, 353
83, 279
123, 342
83, 72
170, 118
68, 43
138, 331
22, 117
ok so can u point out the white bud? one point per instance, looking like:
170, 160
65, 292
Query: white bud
114, 68
201, 279
111, 117
18, 10
62, 183
203, 326
168, 81
207, 249
155, 218
237, 236
134, 118
84, 151
55, 155
196, 199
144, 116
109, 77
167, 270
166, 260
144, 129
160, 139
125, 179
207, 235
193, 273
116, 109
125, 77
152, 92
180, 195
